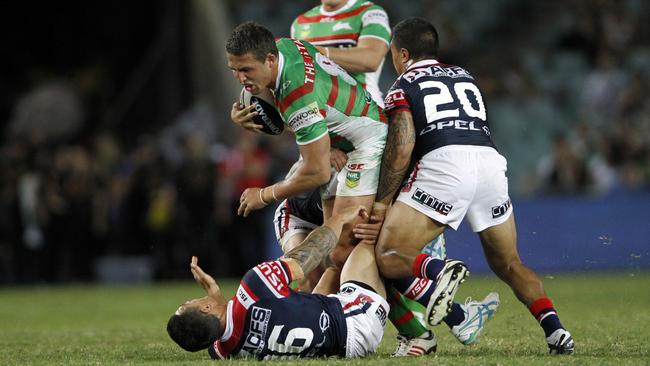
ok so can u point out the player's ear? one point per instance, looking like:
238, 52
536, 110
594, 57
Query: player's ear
404, 55
205, 308
271, 59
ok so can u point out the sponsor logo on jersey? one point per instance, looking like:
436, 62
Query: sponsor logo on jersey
426, 199
352, 179
257, 329
347, 290
376, 17
456, 124
437, 71
394, 99
324, 321
341, 25
498, 211
244, 298
310, 69
305, 117
272, 274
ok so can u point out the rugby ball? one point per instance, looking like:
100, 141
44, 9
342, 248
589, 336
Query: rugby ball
267, 115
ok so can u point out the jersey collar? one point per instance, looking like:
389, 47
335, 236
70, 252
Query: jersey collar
422, 63
343, 9
227, 332
280, 67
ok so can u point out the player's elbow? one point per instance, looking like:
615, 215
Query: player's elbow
370, 64
323, 176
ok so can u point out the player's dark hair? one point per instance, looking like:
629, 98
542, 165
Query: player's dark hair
193, 330
251, 37
418, 36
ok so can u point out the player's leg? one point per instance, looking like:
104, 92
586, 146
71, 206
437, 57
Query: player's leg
361, 266
400, 259
347, 240
363, 298
500, 247
290, 231
399, 244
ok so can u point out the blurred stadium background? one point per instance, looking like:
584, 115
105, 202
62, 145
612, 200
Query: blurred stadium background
118, 159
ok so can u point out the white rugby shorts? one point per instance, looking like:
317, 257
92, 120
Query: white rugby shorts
287, 225
365, 316
459, 181
360, 176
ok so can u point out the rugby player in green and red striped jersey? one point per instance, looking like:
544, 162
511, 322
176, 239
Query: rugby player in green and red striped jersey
325, 107
353, 33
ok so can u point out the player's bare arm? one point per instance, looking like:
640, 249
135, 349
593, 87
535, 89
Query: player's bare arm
365, 57
206, 281
314, 171
320, 242
397, 155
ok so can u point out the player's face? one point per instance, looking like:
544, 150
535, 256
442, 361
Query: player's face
398, 57
203, 304
331, 5
252, 73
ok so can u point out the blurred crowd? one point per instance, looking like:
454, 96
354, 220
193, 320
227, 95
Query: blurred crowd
171, 195
566, 84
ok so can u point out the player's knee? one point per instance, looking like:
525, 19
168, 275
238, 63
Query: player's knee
382, 253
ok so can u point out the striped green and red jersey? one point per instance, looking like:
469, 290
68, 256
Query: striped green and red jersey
316, 96
344, 28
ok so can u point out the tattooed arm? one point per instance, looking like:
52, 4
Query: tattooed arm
319, 243
397, 155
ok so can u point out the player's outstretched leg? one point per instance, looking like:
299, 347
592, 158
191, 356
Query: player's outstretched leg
500, 247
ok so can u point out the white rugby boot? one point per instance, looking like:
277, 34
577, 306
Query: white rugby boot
416, 346
560, 342
477, 313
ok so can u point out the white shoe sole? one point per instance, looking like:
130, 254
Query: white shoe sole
443, 296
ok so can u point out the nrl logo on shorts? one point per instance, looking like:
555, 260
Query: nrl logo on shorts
352, 179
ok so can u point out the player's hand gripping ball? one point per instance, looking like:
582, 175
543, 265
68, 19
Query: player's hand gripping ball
267, 115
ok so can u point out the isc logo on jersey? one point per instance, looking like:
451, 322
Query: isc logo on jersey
270, 273
305, 117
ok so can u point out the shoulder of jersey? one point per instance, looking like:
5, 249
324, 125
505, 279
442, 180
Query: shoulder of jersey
267, 115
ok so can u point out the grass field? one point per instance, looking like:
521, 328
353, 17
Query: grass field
608, 315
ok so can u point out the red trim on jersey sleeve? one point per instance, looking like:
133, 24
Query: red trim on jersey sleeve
396, 101
317, 18
334, 37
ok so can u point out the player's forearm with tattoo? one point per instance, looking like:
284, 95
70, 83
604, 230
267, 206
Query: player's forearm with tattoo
314, 248
397, 155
